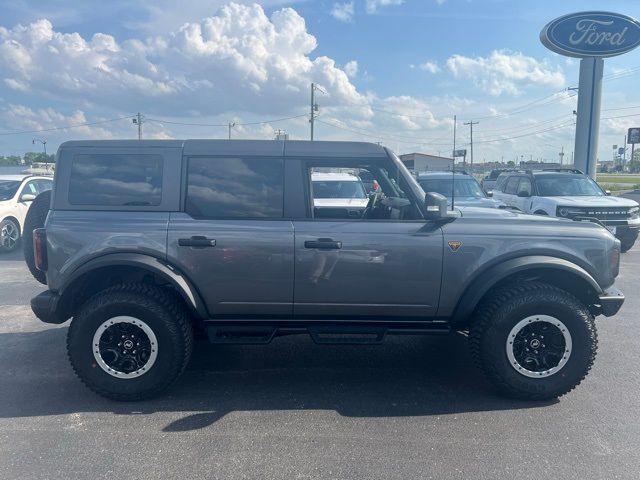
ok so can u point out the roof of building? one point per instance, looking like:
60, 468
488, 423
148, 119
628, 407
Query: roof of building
434, 157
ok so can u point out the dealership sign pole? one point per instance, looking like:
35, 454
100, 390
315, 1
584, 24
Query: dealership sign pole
590, 36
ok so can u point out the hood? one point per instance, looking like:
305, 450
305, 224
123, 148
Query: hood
608, 201
341, 202
477, 202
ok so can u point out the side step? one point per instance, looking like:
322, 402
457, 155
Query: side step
321, 334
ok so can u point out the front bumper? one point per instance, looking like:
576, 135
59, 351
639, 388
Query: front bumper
45, 307
610, 301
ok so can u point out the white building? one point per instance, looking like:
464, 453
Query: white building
421, 162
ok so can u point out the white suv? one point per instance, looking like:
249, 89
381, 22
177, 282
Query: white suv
570, 194
16, 194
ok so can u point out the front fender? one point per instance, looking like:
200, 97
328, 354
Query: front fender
480, 285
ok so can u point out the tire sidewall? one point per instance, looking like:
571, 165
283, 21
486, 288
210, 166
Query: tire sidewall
574, 316
169, 348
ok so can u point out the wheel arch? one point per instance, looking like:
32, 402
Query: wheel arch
559, 272
11, 217
107, 270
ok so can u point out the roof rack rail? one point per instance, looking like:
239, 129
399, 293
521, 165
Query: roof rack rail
565, 170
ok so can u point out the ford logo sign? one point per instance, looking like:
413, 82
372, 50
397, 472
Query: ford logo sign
591, 34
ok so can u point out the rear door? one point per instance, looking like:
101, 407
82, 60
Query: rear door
387, 264
230, 238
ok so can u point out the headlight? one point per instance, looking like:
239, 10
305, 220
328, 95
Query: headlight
568, 212
634, 212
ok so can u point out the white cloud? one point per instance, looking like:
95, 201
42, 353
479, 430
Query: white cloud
238, 60
431, 67
351, 68
372, 6
505, 72
343, 11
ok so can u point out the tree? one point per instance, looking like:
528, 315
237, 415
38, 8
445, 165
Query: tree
511, 163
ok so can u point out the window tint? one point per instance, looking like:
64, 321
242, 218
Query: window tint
235, 187
44, 185
525, 185
511, 185
116, 180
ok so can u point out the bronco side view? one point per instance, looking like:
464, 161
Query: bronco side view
143, 243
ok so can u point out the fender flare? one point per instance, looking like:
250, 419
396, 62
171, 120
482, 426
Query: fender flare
153, 265
490, 277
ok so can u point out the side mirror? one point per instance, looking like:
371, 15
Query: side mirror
608, 192
27, 197
524, 194
435, 205
490, 193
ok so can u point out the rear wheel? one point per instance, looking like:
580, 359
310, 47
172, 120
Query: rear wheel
533, 341
130, 342
9, 235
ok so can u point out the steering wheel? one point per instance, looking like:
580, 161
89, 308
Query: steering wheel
371, 204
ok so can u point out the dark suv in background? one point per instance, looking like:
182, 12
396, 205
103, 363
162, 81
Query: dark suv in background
145, 242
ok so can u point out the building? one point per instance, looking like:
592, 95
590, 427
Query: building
421, 162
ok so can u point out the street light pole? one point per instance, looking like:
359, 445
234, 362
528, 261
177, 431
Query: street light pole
44, 146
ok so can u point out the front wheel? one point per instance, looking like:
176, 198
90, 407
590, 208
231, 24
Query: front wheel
130, 342
533, 341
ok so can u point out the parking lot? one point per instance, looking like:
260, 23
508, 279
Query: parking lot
412, 408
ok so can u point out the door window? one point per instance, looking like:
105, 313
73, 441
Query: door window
524, 186
30, 188
235, 187
512, 185
338, 191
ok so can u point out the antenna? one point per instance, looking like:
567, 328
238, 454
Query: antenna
453, 167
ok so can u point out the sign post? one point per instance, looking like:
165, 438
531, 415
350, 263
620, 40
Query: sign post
590, 36
633, 137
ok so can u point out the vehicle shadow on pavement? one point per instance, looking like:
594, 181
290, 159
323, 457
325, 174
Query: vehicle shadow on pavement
405, 376
17, 254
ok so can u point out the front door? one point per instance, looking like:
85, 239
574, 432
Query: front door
387, 263
231, 239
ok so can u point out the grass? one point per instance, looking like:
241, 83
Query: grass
614, 187
618, 178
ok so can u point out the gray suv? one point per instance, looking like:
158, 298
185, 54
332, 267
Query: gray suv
147, 242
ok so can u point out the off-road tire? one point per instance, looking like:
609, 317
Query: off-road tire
627, 243
36, 216
10, 223
161, 310
498, 314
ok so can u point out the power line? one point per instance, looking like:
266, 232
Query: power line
77, 125
275, 120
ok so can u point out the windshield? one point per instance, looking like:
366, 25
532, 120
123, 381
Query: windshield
567, 186
8, 189
338, 189
465, 187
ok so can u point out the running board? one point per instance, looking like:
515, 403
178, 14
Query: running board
321, 334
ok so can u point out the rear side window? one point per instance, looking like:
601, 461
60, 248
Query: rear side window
512, 185
235, 187
116, 180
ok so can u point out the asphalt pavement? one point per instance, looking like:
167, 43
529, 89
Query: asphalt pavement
414, 407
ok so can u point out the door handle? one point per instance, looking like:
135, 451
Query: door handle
197, 241
323, 244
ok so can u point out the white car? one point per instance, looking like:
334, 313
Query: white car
16, 194
570, 194
341, 194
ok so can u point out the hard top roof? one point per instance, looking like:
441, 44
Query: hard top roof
290, 148
441, 173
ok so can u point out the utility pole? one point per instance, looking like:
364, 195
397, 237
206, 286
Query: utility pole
453, 155
314, 105
471, 124
231, 125
138, 121
561, 154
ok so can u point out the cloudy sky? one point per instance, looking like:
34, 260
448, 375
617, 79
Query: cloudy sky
393, 71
